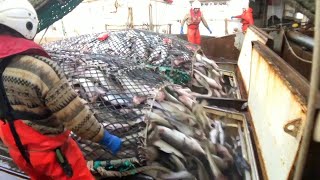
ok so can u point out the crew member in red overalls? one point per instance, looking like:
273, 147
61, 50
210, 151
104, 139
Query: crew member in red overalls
193, 20
38, 108
246, 18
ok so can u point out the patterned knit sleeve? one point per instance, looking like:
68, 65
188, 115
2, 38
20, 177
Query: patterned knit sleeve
63, 101
68, 108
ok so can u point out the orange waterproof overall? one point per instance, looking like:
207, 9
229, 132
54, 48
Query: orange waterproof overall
40, 148
193, 28
246, 19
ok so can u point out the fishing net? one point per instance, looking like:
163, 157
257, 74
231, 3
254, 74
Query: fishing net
166, 54
50, 11
114, 73
112, 87
163, 53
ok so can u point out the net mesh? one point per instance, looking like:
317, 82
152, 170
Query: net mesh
112, 87
114, 75
137, 46
50, 11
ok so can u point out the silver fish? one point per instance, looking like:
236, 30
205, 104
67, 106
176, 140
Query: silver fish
117, 99
210, 81
214, 133
221, 132
186, 101
180, 141
185, 129
165, 147
178, 175
176, 161
206, 60
215, 170
153, 117
204, 84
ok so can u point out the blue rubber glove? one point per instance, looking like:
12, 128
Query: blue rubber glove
181, 30
210, 30
112, 142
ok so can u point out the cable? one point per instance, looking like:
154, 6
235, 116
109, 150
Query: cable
43, 34
150, 17
290, 48
130, 18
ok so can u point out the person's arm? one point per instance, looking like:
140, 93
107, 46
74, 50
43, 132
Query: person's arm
186, 17
239, 16
205, 23
68, 108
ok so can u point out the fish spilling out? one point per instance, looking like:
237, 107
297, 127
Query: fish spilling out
187, 140
210, 81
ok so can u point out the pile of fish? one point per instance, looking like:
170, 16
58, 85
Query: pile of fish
209, 81
184, 142
184, 139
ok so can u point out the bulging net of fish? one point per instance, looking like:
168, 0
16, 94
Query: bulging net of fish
140, 47
113, 88
179, 61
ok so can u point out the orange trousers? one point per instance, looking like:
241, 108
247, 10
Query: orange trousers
245, 27
42, 155
194, 35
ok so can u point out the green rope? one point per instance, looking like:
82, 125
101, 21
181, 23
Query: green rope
122, 167
173, 75
126, 166
96, 164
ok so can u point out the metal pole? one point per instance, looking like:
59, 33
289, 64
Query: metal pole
314, 85
301, 39
316, 132
226, 26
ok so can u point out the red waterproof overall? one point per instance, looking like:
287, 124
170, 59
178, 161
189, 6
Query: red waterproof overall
40, 147
193, 28
246, 19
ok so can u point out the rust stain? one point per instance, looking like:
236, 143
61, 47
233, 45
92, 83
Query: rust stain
258, 152
243, 92
297, 84
218, 48
283, 76
294, 91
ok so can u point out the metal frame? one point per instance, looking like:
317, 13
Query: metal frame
312, 100
239, 121
5, 168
